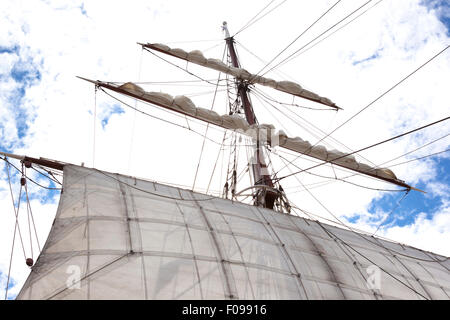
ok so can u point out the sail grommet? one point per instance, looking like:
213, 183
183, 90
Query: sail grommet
29, 262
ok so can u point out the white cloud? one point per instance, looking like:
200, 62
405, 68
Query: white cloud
429, 234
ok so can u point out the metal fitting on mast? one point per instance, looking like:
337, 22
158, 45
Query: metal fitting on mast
225, 29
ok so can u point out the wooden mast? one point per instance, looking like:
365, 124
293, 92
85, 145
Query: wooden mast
263, 197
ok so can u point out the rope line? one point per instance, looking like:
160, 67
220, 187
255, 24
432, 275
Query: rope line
261, 16
284, 60
392, 211
378, 98
95, 125
372, 262
310, 124
32, 220
321, 40
254, 17
177, 66
16, 227
371, 146
149, 192
50, 178
39, 185
158, 118
420, 158
207, 126
28, 215
340, 179
317, 20
383, 94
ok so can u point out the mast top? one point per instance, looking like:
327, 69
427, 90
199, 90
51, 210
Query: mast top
225, 29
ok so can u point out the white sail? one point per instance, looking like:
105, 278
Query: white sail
197, 57
235, 122
117, 237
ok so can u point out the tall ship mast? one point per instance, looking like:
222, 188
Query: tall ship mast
121, 237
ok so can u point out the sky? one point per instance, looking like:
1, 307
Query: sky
45, 111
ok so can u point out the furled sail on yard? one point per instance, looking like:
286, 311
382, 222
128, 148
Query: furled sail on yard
184, 105
118, 237
197, 57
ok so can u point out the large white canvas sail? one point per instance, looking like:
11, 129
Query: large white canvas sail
117, 237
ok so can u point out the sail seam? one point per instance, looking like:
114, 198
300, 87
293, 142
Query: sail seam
194, 256
282, 247
230, 293
321, 255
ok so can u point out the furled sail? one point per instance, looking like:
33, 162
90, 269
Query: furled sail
184, 105
118, 237
197, 57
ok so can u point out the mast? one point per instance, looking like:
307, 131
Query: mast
263, 197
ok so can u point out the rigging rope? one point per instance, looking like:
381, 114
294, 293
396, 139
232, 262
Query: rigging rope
277, 65
409, 152
339, 179
378, 98
317, 20
50, 178
280, 73
371, 146
392, 211
401, 163
420, 158
95, 122
372, 262
134, 115
215, 164
177, 66
32, 219
254, 17
16, 227
321, 40
149, 192
350, 246
158, 118
265, 95
28, 216
309, 123
360, 232
39, 185
188, 83
16, 212
207, 126
383, 94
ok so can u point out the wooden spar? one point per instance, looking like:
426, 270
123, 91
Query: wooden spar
251, 80
124, 92
41, 161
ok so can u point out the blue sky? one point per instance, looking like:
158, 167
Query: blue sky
442, 9
25, 73
4, 280
46, 112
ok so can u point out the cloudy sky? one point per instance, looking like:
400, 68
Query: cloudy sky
45, 111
